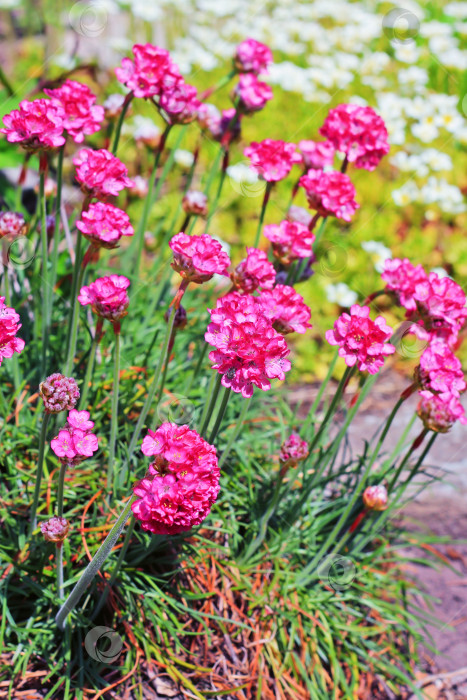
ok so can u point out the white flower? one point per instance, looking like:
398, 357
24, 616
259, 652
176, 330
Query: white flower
456, 9
420, 108
436, 160
184, 158
341, 294
407, 53
379, 253
148, 11
426, 130
406, 194
241, 172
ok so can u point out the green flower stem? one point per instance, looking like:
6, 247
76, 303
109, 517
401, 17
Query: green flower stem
263, 525
61, 489
125, 105
198, 366
316, 402
150, 197
224, 401
58, 206
153, 388
320, 231
236, 431
90, 366
59, 566
333, 405
222, 83
387, 465
386, 429
213, 392
209, 182
117, 567
406, 458
114, 413
267, 193
77, 272
213, 206
45, 281
94, 566
40, 466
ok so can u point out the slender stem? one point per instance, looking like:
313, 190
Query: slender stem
222, 82
267, 193
220, 415
45, 281
72, 321
213, 206
320, 231
94, 566
386, 429
61, 489
59, 566
319, 395
58, 206
406, 458
114, 414
40, 465
6, 83
90, 366
332, 407
213, 391
125, 105
235, 431
117, 567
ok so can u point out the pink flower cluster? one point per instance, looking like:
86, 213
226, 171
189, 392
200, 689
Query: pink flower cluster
272, 160
195, 203
55, 529
439, 412
330, 193
181, 484
9, 327
293, 450
103, 225
359, 133
12, 224
107, 296
198, 258
437, 304
180, 103
82, 116
59, 393
249, 352
361, 341
100, 173
286, 309
290, 240
317, 154
252, 93
252, 56
76, 441
254, 272
36, 125
440, 371
223, 126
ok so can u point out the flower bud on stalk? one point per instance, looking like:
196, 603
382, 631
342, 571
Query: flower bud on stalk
55, 530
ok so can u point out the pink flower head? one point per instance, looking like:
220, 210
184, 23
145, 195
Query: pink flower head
441, 305
375, 497
440, 371
9, 327
82, 116
249, 352
100, 173
36, 125
79, 420
317, 154
198, 258
293, 450
252, 93
107, 296
195, 203
286, 309
63, 445
59, 393
223, 126
439, 412
150, 73
12, 224
359, 133
290, 240
85, 443
181, 484
361, 341
55, 529
402, 277
272, 160
254, 272
103, 225
180, 103
252, 56
330, 193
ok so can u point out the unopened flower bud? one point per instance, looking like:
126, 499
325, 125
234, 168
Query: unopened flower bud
180, 319
59, 393
12, 224
55, 530
195, 203
140, 187
375, 497
293, 451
